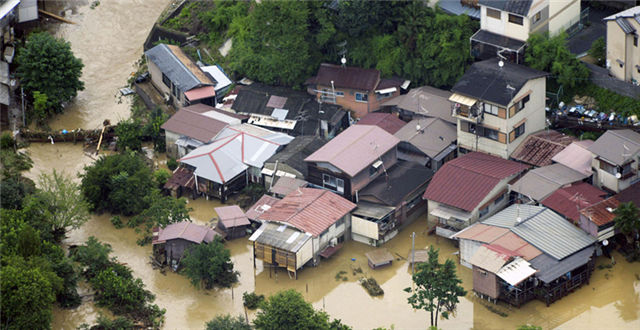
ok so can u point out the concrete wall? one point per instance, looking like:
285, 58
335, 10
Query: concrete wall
620, 47
563, 14
348, 100
362, 227
485, 282
156, 80
304, 254
502, 26
602, 178
467, 249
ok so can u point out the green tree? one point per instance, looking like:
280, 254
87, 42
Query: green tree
227, 322
47, 65
60, 203
288, 310
161, 176
627, 220
598, 51
552, 55
129, 133
437, 287
117, 290
209, 265
27, 295
529, 327
117, 183
162, 211
14, 190
94, 256
153, 129
40, 104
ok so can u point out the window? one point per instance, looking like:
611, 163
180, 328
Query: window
635, 40
499, 199
515, 19
519, 130
373, 170
537, 16
333, 183
491, 134
380, 96
493, 13
521, 103
607, 167
361, 97
341, 94
626, 169
166, 80
340, 221
484, 212
490, 108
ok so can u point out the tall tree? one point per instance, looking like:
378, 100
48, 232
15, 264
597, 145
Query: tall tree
209, 264
47, 65
553, 55
437, 287
627, 220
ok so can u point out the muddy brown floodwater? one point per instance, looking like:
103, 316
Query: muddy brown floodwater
108, 39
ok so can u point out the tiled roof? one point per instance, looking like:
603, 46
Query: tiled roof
599, 213
539, 148
568, 201
310, 210
465, 181
387, 121
176, 65
519, 7
232, 216
347, 77
188, 231
429, 135
425, 101
541, 182
355, 148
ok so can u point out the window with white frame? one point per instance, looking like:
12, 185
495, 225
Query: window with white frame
490, 108
537, 16
362, 97
333, 183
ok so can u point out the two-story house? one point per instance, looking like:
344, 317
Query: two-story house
357, 89
352, 160
616, 155
497, 105
178, 78
505, 25
468, 189
623, 52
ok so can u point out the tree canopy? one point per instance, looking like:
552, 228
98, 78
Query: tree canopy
47, 66
437, 287
552, 55
209, 265
627, 220
227, 322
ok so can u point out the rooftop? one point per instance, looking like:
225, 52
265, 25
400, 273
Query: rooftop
286, 185
498, 236
541, 182
199, 123
264, 203
485, 80
478, 173
280, 236
387, 121
232, 216
296, 151
346, 77
399, 182
568, 201
176, 65
426, 101
309, 210
576, 156
601, 213
617, 146
186, 230
518, 7
429, 135
538, 149
355, 148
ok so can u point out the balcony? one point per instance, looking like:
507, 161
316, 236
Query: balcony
465, 112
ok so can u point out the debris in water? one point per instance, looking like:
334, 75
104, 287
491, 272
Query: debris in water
372, 286
341, 275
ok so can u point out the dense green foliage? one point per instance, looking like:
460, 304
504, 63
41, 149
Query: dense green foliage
627, 221
288, 310
437, 287
118, 183
552, 55
129, 133
209, 265
598, 51
252, 300
227, 322
161, 211
115, 286
47, 65
609, 101
161, 176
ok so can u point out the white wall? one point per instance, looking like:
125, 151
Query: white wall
365, 228
563, 14
304, 254
467, 249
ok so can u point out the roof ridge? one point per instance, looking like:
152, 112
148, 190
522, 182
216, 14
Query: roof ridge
615, 133
182, 64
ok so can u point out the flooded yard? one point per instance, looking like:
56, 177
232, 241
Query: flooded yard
109, 40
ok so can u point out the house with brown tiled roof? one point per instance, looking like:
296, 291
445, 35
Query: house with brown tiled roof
171, 242
357, 89
569, 200
538, 149
468, 189
302, 227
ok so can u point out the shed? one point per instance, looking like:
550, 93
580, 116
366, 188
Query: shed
232, 221
379, 258
171, 242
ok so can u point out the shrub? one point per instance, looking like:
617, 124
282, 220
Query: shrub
172, 164
252, 300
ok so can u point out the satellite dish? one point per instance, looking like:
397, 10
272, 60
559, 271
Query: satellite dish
605, 242
418, 127
618, 175
518, 219
500, 63
343, 60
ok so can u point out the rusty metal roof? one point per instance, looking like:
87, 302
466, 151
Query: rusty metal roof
600, 213
264, 203
465, 181
310, 210
490, 258
481, 233
346, 77
232, 216
499, 237
568, 200
286, 185
538, 149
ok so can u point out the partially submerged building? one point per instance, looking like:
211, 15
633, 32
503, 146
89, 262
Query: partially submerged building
302, 227
171, 243
232, 221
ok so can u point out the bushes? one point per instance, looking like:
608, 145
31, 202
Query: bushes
172, 164
252, 300
609, 101
209, 264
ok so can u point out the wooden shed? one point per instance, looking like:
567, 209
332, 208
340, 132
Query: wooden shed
232, 221
379, 258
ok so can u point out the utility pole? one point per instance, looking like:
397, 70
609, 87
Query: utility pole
413, 252
24, 120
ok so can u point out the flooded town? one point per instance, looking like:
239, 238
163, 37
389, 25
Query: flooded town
323, 165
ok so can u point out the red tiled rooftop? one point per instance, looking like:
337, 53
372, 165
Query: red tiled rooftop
310, 210
387, 121
538, 148
465, 181
599, 213
569, 200
265, 202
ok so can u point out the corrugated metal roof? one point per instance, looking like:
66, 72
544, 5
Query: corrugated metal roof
516, 271
175, 64
542, 228
625, 25
519, 7
188, 231
286, 185
630, 194
387, 121
539, 148
372, 210
455, 7
550, 268
617, 146
498, 40
355, 149
541, 182
220, 78
310, 210
264, 203
481, 233
631, 12
516, 244
280, 236
347, 77
576, 156
425, 101
232, 216
465, 181
490, 259
429, 135
599, 213
568, 201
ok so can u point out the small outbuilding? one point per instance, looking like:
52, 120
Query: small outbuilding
171, 242
379, 258
232, 221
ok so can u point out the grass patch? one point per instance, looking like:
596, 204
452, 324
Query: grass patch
341, 276
372, 286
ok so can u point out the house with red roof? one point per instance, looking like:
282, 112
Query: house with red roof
569, 200
387, 121
303, 226
468, 189
357, 89
353, 159
171, 242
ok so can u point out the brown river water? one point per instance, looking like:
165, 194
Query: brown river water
109, 40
